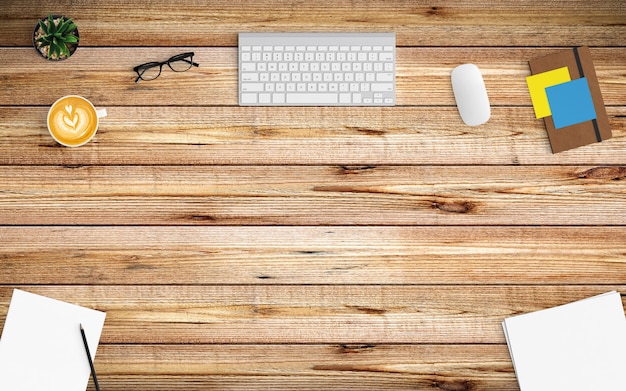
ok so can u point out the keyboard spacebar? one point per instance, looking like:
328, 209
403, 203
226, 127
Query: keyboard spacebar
312, 98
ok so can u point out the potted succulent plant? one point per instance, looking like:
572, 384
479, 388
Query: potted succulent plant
56, 37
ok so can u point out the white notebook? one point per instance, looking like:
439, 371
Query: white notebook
579, 346
41, 346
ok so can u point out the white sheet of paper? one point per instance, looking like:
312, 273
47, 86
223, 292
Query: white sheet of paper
41, 347
576, 347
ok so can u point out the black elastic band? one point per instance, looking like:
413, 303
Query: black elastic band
580, 66
582, 74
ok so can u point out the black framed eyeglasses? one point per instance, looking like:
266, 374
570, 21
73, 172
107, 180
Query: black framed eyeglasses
178, 63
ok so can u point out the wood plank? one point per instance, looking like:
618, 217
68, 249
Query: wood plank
312, 314
273, 382
312, 255
314, 367
292, 195
192, 23
422, 76
379, 136
356, 381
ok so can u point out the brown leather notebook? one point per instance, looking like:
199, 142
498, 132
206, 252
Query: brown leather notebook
579, 64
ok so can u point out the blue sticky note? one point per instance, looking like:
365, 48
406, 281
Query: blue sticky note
571, 103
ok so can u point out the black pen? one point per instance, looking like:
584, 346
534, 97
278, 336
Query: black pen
93, 370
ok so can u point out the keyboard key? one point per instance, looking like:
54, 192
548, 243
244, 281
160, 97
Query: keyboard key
384, 77
386, 56
248, 98
382, 86
265, 98
317, 98
252, 87
278, 98
249, 77
248, 67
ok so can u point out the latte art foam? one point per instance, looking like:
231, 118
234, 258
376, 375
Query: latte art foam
72, 120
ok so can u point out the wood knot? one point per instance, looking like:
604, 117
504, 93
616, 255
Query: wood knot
434, 11
264, 310
454, 207
352, 170
608, 173
458, 385
355, 348
202, 218
368, 310
366, 131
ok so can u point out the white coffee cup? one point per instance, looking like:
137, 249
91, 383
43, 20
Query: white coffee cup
73, 120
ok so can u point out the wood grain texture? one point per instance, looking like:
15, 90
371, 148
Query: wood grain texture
312, 255
334, 367
259, 136
291, 314
417, 23
312, 195
316, 248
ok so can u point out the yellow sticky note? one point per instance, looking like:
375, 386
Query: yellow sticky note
537, 85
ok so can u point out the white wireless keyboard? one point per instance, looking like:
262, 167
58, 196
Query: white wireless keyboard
317, 69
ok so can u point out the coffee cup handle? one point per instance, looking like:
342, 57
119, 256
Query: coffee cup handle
101, 113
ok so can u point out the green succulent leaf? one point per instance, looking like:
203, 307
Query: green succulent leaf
52, 50
50, 22
71, 39
43, 27
71, 28
52, 27
61, 27
65, 50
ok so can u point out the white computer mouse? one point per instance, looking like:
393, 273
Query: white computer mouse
470, 94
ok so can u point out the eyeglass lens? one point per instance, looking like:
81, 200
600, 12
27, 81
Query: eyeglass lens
149, 71
181, 62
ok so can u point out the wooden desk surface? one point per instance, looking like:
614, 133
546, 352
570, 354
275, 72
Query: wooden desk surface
307, 248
